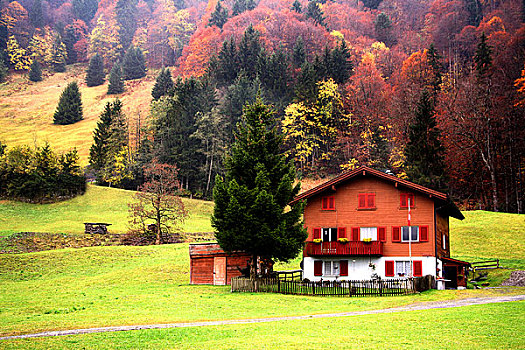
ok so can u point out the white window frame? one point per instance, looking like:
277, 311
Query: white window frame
332, 234
444, 241
411, 228
404, 263
368, 232
333, 267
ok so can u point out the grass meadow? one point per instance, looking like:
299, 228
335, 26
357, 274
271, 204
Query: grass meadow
27, 108
98, 204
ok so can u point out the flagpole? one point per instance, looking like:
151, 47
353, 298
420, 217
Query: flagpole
409, 238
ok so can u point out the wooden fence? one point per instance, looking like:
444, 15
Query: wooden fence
485, 265
337, 288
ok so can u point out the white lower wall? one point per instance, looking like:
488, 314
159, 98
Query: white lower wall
359, 269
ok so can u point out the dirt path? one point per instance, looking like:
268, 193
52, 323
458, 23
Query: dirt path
413, 307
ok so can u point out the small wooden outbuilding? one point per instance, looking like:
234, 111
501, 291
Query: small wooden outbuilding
209, 264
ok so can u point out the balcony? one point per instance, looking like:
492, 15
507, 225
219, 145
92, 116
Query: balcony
352, 248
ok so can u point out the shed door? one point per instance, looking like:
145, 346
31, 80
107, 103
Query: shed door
219, 271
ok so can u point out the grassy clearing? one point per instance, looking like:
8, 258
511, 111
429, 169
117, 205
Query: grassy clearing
26, 109
104, 286
98, 204
498, 326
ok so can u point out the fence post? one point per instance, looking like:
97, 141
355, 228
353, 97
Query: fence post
278, 285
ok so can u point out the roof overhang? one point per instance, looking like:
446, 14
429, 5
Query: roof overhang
454, 261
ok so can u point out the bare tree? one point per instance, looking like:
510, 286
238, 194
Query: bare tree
157, 202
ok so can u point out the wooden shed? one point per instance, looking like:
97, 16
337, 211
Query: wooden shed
209, 264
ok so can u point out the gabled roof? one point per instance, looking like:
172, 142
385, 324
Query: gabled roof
448, 206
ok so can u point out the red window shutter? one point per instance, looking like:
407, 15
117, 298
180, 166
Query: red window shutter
418, 268
371, 200
355, 233
331, 203
318, 268
362, 200
423, 233
344, 268
403, 200
396, 234
382, 234
341, 232
317, 233
389, 268
411, 196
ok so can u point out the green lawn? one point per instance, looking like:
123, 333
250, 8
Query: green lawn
98, 204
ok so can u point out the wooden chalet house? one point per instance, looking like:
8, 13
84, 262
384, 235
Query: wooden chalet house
358, 226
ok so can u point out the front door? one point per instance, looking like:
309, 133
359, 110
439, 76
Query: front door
219, 271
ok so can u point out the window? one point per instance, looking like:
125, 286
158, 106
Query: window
403, 200
444, 242
331, 268
366, 201
410, 233
329, 234
328, 203
403, 268
368, 233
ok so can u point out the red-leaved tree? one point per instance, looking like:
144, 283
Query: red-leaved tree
157, 202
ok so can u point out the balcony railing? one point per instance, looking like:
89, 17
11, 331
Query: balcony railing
350, 248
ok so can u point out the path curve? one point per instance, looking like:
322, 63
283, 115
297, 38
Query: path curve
412, 307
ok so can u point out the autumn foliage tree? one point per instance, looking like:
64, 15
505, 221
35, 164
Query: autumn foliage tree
157, 202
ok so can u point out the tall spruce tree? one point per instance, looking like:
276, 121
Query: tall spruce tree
424, 152
116, 83
3, 70
249, 51
95, 73
69, 109
59, 56
35, 72
314, 12
126, 11
163, 84
134, 64
383, 29
36, 15
299, 52
483, 58
252, 211
434, 60
219, 16
98, 153
227, 63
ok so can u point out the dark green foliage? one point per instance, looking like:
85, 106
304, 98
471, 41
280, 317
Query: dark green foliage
483, 57
475, 11
95, 73
424, 151
251, 203
227, 63
297, 7
218, 17
314, 12
70, 38
98, 153
116, 83
372, 4
239, 6
299, 53
134, 65
35, 72
434, 60
306, 85
163, 84
379, 152
383, 29
39, 175
3, 70
85, 9
126, 11
274, 74
4, 34
36, 14
249, 51
69, 109
334, 64
175, 123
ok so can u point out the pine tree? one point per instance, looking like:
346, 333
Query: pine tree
98, 153
340, 67
299, 53
314, 12
249, 51
35, 73
424, 151
297, 7
95, 72
69, 109
59, 56
227, 63
3, 71
256, 191
372, 4
218, 17
116, 83
85, 9
434, 60
134, 65
383, 29
483, 57
475, 10
163, 84
36, 15
126, 11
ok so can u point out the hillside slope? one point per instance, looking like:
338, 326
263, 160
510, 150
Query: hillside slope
26, 109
